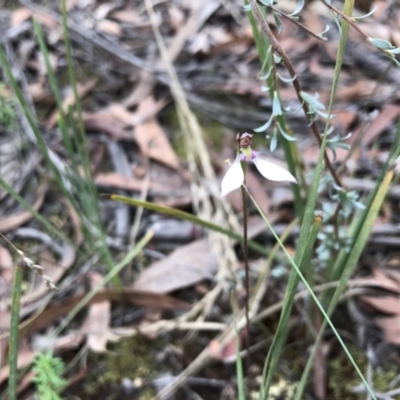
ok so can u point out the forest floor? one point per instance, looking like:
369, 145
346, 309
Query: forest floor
168, 316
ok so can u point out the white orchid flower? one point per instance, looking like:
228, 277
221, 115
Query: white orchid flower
234, 177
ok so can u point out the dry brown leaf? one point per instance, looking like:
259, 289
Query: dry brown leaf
68, 342
38, 91
75, 220
110, 27
46, 19
103, 121
201, 43
102, 11
201, 12
390, 327
184, 267
176, 17
116, 180
14, 221
152, 139
6, 264
389, 304
382, 278
97, 322
142, 90
25, 357
4, 319
6, 275
19, 16
387, 115
395, 38
133, 296
374, 30
344, 119
384, 304
122, 114
127, 16
71, 4
83, 90
226, 351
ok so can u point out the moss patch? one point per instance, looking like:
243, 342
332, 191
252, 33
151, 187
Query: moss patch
133, 359
342, 377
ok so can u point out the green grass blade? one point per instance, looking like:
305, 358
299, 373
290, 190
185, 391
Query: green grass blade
50, 73
189, 217
31, 121
14, 332
279, 339
347, 262
82, 147
314, 297
87, 189
239, 370
62, 123
348, 9
308, 220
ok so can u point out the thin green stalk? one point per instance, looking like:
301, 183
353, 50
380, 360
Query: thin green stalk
239, 369
347, 261
303, 240
89, 195
281, 331
14, 332
246, 259
84, 149
50, 73
62, 123
189, 217
348, 9
313, 295
32, 123
349, 268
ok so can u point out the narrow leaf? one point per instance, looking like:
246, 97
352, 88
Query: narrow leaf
298, 8
286, 80
381, 44
366, 15
312, 101
264, 127
276, 105
278, 22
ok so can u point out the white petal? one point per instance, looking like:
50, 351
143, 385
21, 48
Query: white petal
233, 178
272, 171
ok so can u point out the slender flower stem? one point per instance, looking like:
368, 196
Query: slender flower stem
246, 260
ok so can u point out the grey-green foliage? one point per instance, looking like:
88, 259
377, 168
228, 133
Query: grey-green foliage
48, 380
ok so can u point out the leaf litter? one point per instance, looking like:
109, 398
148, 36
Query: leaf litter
125, 97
